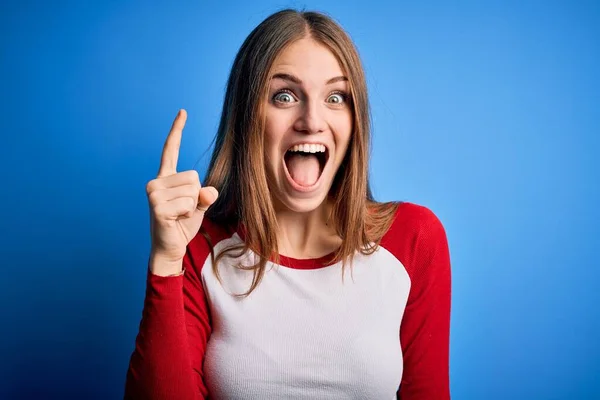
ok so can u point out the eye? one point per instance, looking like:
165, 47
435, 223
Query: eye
284, 96
337, 98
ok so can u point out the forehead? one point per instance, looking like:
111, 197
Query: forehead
308, 60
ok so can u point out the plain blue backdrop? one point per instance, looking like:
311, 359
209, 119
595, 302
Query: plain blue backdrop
486, 112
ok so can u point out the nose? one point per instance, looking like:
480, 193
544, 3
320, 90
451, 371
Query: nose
311, 119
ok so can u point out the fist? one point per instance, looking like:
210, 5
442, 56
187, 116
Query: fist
177, 201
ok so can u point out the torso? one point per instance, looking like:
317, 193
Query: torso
304, 332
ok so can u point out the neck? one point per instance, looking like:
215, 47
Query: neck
307, 235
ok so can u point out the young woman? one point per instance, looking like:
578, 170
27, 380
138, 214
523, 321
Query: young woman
291, 281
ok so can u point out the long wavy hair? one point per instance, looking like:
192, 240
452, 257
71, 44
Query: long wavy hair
237, 165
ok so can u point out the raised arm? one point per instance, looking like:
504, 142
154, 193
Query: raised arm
170, 346
169, 349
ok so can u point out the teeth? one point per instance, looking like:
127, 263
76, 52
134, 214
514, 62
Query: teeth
308, 148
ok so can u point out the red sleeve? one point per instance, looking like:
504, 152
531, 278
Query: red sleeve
169, 349
422, 246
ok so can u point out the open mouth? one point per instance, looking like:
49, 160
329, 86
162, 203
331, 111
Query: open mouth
305, 163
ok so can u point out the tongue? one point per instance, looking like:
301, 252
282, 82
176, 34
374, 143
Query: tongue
304, 169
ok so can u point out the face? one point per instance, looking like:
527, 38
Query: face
308, 125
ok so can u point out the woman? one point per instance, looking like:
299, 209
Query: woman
290, 282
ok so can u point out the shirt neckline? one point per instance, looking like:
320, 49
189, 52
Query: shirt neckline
305, 263
295, 263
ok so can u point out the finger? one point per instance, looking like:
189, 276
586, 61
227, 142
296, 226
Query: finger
175, 208
181, 178
170, 154
207, 196
164, 195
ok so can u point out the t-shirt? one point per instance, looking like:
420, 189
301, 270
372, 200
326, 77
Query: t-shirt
379, 331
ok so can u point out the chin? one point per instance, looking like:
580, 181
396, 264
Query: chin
302, 205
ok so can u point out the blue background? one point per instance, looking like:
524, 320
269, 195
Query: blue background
486, 112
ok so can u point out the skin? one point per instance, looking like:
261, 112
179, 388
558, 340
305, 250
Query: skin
308, 101
177, 204
312, 108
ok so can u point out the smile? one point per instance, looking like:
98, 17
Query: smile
304, 164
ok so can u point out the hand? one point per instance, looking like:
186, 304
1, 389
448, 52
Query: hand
177, 202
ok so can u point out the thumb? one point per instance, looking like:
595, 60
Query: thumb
207, 196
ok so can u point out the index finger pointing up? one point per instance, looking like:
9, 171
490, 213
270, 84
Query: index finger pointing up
170, 154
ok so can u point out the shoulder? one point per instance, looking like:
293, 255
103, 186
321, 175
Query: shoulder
415, 236
412, 220
209, 235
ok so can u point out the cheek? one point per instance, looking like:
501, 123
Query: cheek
344, 127
275, 128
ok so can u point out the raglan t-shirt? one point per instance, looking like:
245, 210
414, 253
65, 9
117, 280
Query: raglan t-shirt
380, 330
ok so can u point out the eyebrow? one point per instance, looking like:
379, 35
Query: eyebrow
296, 80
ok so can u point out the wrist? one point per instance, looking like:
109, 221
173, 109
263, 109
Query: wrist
164, 266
